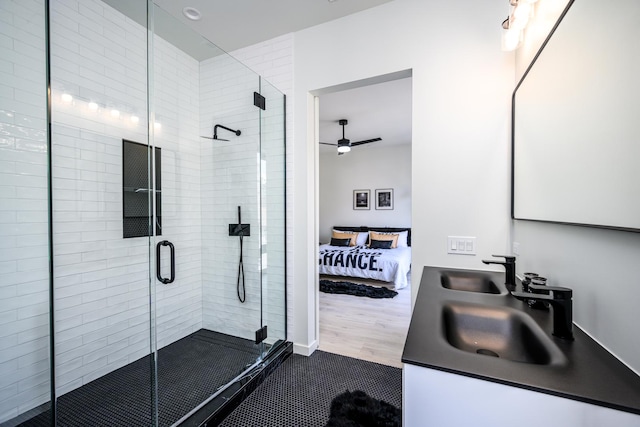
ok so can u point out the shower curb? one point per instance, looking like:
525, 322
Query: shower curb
214, 412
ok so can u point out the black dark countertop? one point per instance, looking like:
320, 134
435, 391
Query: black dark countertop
589, 374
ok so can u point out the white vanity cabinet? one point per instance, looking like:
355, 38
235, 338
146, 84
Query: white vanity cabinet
432, 397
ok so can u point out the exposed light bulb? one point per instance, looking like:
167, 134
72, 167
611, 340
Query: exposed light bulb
520, 16
66, 98
115, 113
93, 106
157, 125
135, 119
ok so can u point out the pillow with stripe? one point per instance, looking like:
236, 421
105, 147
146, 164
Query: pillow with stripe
402, 238
346, 235
385, 237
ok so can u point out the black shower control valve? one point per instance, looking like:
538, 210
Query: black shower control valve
240, 230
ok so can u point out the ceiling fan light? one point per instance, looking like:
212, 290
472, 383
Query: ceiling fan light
344, 145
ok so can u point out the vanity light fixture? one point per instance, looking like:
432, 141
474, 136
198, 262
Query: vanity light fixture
192, 13
513, 27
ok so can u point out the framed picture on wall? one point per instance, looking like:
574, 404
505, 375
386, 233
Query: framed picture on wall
384, 198
361, 199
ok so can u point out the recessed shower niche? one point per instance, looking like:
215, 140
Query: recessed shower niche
91, 336
138, 169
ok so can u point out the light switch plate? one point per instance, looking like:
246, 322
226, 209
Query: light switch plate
461, 245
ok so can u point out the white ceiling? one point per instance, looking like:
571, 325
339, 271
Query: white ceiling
380, 110
232, 24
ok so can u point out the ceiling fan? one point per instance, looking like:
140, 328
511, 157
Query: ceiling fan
344, 145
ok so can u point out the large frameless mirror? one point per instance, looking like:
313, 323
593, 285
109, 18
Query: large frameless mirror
575, 125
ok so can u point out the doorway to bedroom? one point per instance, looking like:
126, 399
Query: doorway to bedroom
364, 195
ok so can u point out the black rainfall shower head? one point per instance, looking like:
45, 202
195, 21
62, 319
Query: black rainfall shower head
215, 133
215, 138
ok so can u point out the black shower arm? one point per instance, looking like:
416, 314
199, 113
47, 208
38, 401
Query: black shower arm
215, 130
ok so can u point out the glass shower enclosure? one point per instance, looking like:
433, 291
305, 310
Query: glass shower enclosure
142, 216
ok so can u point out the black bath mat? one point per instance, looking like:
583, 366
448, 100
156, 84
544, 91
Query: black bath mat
355, 409
356, 289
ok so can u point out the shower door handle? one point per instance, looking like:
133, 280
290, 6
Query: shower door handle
173, 262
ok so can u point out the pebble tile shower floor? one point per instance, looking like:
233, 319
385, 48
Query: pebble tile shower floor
189, 371
299, 392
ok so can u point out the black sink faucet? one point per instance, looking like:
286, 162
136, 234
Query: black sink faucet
510, 269
561, 301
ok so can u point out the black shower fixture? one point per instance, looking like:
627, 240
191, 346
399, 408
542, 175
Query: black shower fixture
215, 133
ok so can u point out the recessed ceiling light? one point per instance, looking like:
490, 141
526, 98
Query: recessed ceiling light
192, 13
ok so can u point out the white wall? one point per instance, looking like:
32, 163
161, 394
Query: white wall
364, 168
599, 265
460, 161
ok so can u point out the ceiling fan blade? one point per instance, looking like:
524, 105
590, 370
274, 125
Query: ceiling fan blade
340, 153
326, 143
366, 141
208, 137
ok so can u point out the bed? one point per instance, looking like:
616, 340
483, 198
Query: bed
363, 261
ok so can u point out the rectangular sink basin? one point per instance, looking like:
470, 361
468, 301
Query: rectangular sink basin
469, 282
499, 332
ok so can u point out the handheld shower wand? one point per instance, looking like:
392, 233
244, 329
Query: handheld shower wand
240, 230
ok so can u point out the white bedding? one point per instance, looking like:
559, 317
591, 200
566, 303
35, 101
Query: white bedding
389, 265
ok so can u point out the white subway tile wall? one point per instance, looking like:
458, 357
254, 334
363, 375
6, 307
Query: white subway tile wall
230, 171
273, 60
176, 100
24, 255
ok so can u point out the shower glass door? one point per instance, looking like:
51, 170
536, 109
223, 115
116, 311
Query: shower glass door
273, 215
205, 320
103, 219
25, 314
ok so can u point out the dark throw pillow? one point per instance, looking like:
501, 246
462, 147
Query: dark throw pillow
340, 242
380, 244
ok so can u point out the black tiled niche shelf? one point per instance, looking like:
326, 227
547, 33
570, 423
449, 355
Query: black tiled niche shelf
136, 190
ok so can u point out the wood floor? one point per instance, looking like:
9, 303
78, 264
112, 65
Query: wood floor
365, 328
